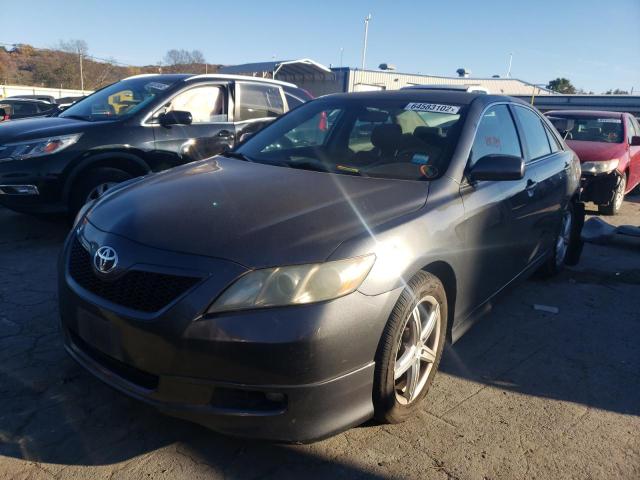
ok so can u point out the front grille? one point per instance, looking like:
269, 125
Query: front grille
136, 289
129, 373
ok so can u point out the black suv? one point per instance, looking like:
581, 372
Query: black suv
139, 125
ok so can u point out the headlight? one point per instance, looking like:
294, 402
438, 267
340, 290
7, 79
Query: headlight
37, 147
603, 166
295, 285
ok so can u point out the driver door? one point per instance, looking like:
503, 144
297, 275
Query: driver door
209, 134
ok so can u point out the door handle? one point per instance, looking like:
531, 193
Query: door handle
531, 186
225, 134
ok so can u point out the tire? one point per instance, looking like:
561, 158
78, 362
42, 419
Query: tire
568, 236
576, 243
92, 184
393, 403
613, 207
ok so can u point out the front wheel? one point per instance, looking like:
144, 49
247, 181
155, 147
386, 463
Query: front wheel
618, 197
410, 349
92, 185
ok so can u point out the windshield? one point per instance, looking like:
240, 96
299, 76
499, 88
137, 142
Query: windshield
593, 129
117, 100
352, 136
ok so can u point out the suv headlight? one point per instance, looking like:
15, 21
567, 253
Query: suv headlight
601, 166
294, 285
37, 147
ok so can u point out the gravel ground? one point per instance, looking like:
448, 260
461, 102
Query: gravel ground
524, 394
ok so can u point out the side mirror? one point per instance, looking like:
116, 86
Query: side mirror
175, 117
497, 167
635, 140
245, 136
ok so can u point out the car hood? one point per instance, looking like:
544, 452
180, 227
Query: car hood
254, 214
595, 151
37, 127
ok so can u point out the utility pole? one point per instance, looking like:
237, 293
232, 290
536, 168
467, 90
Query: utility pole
510, 62
341, 56
81, 74
367, 19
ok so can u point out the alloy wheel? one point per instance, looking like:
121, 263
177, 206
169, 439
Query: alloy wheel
99, 190
417, 350
564, 237
619, 195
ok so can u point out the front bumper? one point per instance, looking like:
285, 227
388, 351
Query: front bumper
289, 374
599, 189
24, 188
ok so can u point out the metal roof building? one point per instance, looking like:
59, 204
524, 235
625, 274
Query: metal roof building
321, 80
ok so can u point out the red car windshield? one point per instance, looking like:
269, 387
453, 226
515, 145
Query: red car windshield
594, 129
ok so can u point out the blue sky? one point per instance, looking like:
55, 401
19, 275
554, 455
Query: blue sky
594, 43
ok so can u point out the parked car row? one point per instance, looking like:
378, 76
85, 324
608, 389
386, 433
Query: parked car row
139, 125
308, 279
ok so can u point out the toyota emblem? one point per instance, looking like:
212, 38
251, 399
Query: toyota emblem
105, 259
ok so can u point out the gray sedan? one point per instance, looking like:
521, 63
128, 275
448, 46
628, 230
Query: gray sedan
309, 280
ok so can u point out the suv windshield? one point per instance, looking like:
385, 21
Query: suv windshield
594, 129
117, 100
368, 137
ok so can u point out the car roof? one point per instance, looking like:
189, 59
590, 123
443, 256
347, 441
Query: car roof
187, 77
24, 99
426, 95
586, 113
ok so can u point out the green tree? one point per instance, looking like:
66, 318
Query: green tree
617, 91
561, 85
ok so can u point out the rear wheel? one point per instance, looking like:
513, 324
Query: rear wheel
410, 349
618, 197
564, 240
93, 184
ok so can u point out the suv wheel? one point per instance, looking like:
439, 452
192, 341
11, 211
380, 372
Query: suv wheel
410, 349
618, 197
93, 184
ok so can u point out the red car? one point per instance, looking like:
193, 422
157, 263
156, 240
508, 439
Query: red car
608, 144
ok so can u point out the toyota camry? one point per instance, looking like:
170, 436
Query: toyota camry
309, 279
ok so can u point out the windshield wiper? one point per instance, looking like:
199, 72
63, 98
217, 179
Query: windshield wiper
77, 117
239, 156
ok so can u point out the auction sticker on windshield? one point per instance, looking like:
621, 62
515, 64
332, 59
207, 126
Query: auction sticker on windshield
432, 107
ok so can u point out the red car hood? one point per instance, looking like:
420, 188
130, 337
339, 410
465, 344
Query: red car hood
594, 151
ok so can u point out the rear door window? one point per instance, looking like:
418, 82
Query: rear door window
255, 101
496, 134
537, 142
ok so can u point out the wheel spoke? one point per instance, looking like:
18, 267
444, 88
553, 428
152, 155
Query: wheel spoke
413, 376
404, 363
427, 354
432, 321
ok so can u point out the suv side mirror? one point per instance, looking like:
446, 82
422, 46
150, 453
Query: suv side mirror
497, 167
175, 117
635, 141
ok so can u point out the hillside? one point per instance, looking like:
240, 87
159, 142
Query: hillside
26, 65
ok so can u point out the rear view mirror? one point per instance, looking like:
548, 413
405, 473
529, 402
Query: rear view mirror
635, 140
563, 125
497, 167
175, 117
